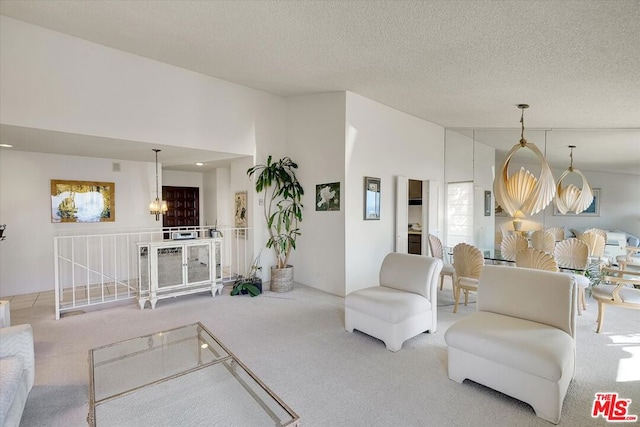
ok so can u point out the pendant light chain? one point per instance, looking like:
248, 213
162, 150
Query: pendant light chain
523, 142
157, 192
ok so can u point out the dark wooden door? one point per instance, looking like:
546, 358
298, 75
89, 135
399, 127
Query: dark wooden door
184, 206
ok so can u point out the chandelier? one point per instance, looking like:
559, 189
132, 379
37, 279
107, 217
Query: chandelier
157, 207
522, 194
572, 198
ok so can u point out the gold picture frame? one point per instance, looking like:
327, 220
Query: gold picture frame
82, 201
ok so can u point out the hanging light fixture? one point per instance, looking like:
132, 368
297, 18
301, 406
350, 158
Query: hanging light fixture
572, 198
157, 207
522, 194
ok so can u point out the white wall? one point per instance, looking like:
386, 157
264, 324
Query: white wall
26, 256
381, 142
316, 137
54, 81
483, 173
247, 249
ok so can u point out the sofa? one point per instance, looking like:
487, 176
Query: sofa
16, 372
521, 340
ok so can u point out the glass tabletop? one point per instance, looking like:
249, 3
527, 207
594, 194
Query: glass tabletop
153, 379
495, 255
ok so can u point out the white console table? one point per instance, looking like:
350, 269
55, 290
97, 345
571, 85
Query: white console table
171, 268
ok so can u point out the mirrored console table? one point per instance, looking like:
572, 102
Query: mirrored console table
171, 268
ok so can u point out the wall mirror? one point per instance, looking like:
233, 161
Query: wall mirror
608, 158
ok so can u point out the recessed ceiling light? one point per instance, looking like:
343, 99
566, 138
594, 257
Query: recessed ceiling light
6, 145
199, 164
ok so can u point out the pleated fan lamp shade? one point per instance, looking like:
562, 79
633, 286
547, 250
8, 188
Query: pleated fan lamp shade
523, 194
572, 198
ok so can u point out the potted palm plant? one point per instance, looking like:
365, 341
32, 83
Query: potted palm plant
282, 193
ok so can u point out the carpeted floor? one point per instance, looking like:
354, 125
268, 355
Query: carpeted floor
296, 343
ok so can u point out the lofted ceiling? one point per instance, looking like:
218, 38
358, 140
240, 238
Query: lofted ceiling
460, 64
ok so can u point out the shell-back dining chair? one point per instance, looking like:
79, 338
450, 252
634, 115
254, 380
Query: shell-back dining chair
599, 232
543, 240
574, 254
558, 233
536, 259
595, 242
436, 251
468, 262
511, 245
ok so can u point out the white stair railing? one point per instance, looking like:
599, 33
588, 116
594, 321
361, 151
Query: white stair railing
98, 269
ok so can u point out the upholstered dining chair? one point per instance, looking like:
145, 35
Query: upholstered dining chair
511, 245
618, 287
437, 252
536, 259
543, 240
573, 254
468, 262
558, 233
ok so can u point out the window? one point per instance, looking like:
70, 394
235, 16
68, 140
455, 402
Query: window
459, 213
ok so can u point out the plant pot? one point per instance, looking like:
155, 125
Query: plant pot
257, 282
282, 279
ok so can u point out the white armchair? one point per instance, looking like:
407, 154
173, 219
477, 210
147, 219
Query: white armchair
521, 341
403, 306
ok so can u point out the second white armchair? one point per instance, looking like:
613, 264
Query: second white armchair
402, 306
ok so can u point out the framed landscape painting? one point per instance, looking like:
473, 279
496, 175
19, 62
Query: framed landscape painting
82, 201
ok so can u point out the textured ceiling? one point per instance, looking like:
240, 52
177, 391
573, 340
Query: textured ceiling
462, 64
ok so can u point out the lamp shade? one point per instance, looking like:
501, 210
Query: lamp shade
522, 191
572, 198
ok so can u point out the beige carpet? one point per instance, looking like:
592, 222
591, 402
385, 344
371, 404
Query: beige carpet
296, 343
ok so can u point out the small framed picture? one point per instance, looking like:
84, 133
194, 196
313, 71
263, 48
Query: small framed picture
487, 203
240, 218
328, 197
371, 198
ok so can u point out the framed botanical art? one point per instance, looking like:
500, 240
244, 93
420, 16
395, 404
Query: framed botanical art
82, 201
328, 197
371, 198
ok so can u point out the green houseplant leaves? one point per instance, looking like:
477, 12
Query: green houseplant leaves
282, 204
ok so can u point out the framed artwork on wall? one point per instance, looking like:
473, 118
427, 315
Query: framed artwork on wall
371, 198
592, 210
240, 217
82, 201
328, 197
487, 203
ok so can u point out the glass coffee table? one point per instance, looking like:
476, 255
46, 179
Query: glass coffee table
183, 376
